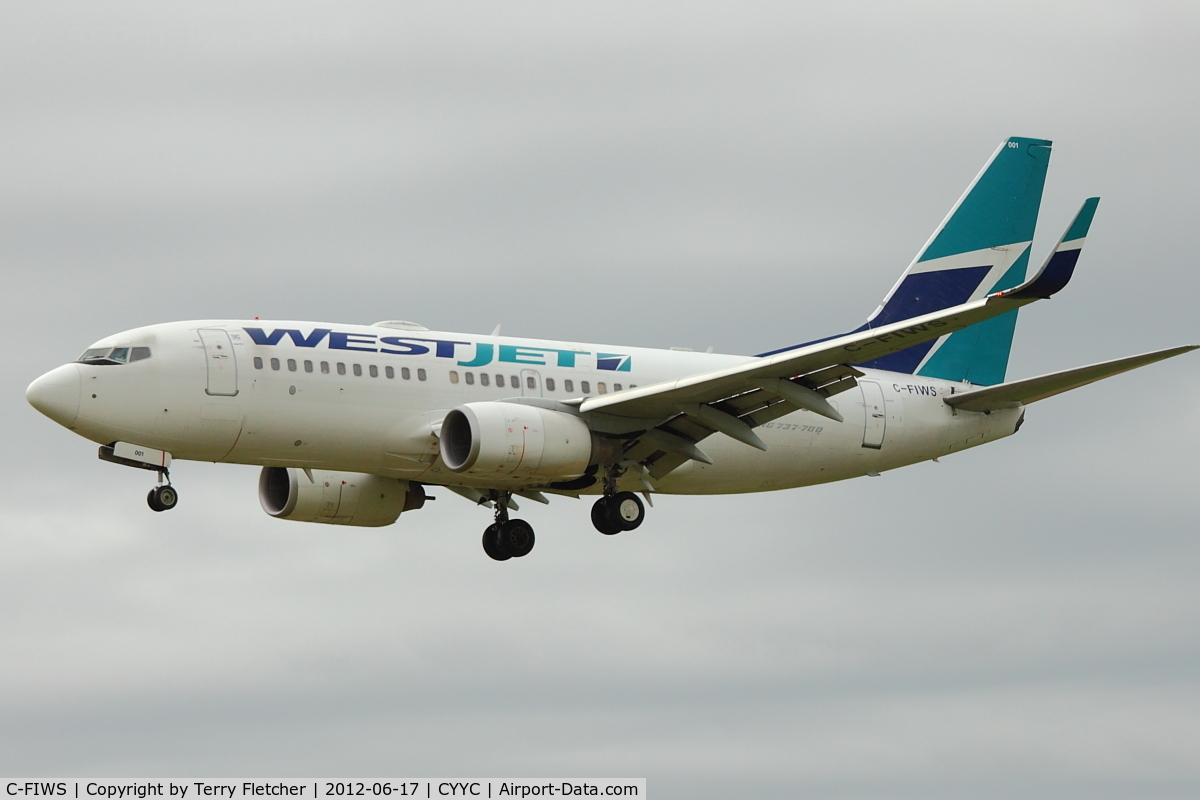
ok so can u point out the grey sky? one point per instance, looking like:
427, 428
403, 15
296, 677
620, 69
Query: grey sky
1022, 618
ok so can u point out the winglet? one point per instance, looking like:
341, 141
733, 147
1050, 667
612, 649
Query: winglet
1057, 271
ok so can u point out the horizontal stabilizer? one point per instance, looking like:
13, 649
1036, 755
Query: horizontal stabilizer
1017, 393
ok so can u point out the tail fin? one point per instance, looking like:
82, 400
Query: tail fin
981, 247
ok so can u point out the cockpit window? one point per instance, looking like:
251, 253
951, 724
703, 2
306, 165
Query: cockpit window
114, 355
95, 354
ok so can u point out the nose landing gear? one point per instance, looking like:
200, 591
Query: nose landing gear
162, 497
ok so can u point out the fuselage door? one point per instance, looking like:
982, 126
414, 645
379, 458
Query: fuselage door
222, 366
531, 383
875, 414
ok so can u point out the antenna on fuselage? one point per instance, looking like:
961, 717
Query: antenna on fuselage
497, 331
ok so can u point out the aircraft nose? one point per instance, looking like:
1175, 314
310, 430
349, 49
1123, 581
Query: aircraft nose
56, 394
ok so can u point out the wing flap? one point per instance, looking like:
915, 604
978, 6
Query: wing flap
1017, 393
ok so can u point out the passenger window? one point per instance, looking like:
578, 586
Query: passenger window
531, 382
119, 354
585, 387
616, 387
569, 385
139, 353
421, 374
291, 365
308, 366
500, 381
258, 362
550, 384
275, 364
484, 379
374, 370
341, 368
633, 386
324, 367
358, 370
454, 376
404, 373
389, 371
514, 381
469, 378
602, 388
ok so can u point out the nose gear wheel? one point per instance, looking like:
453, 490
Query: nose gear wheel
162, 498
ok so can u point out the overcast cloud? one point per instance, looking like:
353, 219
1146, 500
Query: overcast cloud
1020, 619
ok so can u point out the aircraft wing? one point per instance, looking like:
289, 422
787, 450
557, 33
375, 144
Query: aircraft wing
666, 420
675, 415
1010, 395
663, 399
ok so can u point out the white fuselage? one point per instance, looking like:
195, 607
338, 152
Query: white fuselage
369, 399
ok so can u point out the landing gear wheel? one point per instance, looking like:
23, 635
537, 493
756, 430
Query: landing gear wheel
162, 498
491, 544
168, 498
626, 510
603, 517
517, 535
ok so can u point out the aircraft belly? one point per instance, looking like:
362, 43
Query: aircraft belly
319, 426
313, 434
804, 449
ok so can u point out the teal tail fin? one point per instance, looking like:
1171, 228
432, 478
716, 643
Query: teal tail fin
981, 247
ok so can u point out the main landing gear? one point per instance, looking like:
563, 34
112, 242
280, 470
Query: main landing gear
507, 538
513, 538
622, 511
617, 511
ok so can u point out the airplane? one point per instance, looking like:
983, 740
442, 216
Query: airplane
352, 424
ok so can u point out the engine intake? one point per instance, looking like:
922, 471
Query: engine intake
515, 441
336, 498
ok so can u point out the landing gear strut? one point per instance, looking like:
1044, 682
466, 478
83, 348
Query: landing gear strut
506, 538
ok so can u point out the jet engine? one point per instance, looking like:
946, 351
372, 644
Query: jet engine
336, 498
516, 442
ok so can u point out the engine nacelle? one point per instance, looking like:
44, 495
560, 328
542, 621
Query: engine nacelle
515, 442
336, 498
